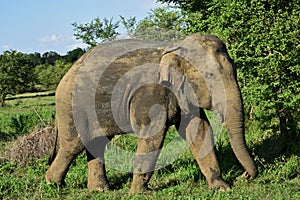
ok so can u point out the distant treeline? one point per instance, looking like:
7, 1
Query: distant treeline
34, 72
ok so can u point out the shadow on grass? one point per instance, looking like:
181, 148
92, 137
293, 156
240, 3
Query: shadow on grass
277, 146
7, 137
118, 182
265, 152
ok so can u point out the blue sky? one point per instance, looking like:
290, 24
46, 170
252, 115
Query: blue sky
45, 25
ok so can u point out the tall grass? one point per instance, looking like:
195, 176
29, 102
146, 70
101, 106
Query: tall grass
20, 116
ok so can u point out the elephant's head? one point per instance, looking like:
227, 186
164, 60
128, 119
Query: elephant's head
201, 66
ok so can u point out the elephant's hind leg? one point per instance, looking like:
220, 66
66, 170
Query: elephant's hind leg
70, 146
59, 168
202, 146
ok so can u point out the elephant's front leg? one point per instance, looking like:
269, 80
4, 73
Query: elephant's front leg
97, 179
147, 153
200, 138
148, 118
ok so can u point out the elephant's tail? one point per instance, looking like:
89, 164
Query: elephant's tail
54, 151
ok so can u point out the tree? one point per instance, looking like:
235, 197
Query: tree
129, 24
49, 76
97, 31
16, 74
73, 55
50, 57
161, 24
190, 5
35, 58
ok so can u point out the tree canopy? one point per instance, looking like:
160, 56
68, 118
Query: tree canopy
97, 31
161, 24
15, 74
20, 72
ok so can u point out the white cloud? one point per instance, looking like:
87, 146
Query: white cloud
59, 43
51, 38
5, 46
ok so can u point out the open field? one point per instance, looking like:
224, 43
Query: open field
279, 165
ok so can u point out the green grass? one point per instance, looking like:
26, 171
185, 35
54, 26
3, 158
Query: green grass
19, 116
279, 166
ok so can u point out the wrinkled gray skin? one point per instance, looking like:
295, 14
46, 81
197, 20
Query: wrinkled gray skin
178, 106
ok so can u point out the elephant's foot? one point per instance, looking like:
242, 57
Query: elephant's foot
138, 189
54, 178
139, 183
219, 184
99, 187
99, 183
97, 180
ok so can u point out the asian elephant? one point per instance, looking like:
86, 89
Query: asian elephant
144, 87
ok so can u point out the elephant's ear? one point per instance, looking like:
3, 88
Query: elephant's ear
171, 72
195, 51
172, 75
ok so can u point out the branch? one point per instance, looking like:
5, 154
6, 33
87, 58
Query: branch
43, 122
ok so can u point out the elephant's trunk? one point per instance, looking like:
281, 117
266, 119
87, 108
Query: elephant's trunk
234, 120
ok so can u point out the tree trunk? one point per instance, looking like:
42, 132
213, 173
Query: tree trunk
2, 102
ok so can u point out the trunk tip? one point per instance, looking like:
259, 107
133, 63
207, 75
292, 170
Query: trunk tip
251, 174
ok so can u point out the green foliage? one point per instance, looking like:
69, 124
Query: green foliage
73, 55
182, 180
49, 76
50, 57
19, 117
129, 24
190, 5
23, 123
161, 24
284, 168
16, 74
20, 73
97, 31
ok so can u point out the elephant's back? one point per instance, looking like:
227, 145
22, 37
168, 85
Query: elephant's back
118, 83
106, 78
